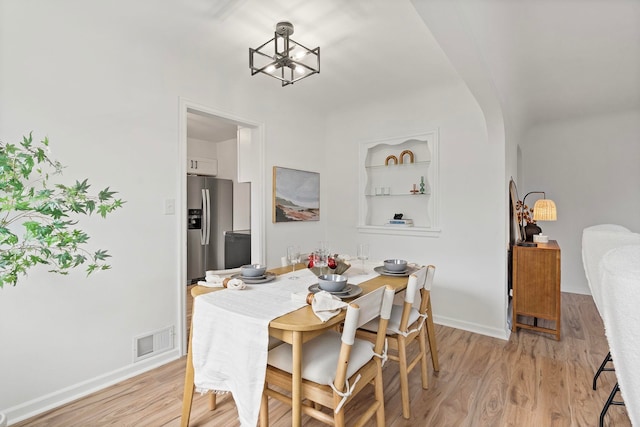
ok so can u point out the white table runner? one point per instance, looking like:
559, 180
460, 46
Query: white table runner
231, 335
355, 276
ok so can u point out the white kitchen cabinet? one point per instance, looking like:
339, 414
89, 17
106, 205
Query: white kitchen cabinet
389, 170
202, 166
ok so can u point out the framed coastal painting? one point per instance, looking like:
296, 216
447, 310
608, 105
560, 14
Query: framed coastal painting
296, 195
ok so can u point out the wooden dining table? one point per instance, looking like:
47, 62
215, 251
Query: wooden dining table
295, 328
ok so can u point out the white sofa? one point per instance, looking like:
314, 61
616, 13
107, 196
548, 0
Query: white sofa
602, 246
620, 302
597, 240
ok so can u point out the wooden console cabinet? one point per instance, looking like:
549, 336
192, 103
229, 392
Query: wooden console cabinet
536, 287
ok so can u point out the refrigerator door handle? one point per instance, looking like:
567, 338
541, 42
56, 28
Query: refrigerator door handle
204, 229
208, 214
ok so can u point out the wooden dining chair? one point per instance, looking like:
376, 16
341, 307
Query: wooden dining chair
408, 324
335, 367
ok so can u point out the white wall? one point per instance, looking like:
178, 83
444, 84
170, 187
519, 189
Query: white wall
469, 289
297, 150
105, 86
589, 167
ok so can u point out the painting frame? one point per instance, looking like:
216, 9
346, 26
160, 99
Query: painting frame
296, 195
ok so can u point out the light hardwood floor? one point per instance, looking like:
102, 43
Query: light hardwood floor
530, 380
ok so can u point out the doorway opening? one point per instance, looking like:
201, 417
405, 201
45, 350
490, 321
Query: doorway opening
222, 149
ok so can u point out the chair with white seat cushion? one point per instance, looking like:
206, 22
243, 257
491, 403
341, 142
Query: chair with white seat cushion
335, 366
406, 323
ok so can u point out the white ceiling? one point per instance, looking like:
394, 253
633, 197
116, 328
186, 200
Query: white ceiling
559, 59
548, 59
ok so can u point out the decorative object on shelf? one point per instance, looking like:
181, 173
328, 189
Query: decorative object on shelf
386, 191
390, 158
401, 222
530, 230
406, 152
422, 185
290, 60
543, 210
414, 191
398, 216
540, 238
296, 195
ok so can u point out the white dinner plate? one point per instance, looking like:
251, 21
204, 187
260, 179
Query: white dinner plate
349, 292
268, 277
380, 269
240, 276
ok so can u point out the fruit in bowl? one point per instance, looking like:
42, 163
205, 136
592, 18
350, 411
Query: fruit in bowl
335, 265
332, 263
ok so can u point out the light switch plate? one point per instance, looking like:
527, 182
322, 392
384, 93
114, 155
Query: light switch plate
169, 206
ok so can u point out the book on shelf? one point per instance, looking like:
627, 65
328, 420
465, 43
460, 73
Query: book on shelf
405, 222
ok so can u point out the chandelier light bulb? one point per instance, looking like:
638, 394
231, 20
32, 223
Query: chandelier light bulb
299, 54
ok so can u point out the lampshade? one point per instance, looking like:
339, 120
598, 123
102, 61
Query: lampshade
284, 58
544, 210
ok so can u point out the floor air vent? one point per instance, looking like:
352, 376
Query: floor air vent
152, 343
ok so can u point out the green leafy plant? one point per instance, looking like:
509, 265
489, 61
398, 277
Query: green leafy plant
46, 213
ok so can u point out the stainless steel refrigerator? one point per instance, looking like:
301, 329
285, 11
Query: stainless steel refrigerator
209, 216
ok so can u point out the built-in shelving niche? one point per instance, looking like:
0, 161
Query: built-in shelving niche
386, 184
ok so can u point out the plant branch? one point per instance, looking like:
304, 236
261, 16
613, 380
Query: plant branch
45, 213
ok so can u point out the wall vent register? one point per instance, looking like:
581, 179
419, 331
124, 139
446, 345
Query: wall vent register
152, 343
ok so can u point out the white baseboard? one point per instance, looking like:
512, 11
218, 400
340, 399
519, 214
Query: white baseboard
472, 327
68, 394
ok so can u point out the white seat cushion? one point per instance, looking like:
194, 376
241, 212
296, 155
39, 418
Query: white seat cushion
394, 320
320, 357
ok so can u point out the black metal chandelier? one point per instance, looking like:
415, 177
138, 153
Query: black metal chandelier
289, 62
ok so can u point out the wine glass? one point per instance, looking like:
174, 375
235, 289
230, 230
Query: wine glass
321, 259
363, 254
293, 256
322, 256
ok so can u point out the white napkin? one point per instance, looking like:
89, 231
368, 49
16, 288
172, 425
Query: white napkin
215, 281
324, 305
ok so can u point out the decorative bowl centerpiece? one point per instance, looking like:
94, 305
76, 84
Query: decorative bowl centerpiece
335, 265
395, 265
332, 282
253, 270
